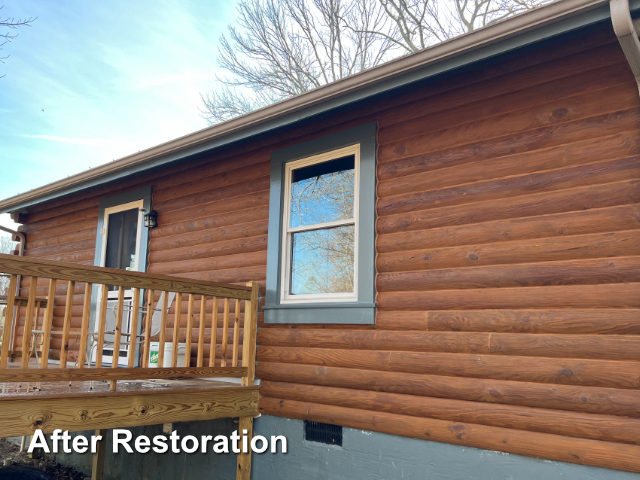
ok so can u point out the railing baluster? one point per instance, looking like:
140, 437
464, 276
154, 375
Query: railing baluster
236, 334
163, 327
133, 331
84, 332
115, 356
64, 352
101, 325
28, 323
203, 314
176, 330
47, 324
214, 333
147, 328
36, 317
187, 349
8, 320
14, 324
225, 332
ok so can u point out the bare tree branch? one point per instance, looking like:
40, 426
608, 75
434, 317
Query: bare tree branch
7, 26
283, 48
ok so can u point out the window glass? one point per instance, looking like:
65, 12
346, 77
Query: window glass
121, 240
323, 261
322, 192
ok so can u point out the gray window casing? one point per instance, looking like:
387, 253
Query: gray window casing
143, 194
362, 311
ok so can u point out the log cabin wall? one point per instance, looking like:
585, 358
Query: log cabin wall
508, 247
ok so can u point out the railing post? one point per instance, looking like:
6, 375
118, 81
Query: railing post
8, 320
243, 471
250, 334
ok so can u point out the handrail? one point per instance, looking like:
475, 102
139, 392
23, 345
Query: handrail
28, 266
34, 375
146, 288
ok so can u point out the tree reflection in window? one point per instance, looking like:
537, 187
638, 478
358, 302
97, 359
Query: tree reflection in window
322, 228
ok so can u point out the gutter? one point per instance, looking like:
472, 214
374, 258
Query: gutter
625, 30
543, 22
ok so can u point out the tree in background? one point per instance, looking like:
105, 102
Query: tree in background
418, 24
283, 48
8, 26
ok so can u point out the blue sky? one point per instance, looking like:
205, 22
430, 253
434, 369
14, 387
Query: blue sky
112, 77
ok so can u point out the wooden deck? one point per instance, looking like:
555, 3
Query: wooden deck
90, 395
91, 405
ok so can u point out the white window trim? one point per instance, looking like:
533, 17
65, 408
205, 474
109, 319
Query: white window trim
287, 232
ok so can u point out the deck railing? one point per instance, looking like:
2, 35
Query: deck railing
206, 303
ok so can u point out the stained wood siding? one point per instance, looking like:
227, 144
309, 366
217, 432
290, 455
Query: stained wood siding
508, 248
508, 243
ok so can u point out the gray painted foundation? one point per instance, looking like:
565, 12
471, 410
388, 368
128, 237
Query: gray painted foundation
376, 456
364, 455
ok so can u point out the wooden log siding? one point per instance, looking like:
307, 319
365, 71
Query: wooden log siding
508, 247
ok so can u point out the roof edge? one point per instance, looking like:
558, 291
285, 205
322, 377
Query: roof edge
390, 75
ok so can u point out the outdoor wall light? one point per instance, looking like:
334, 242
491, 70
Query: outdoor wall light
151, 219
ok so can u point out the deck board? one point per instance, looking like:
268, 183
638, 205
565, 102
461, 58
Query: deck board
90, 405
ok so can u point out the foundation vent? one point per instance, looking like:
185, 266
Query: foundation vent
323, 433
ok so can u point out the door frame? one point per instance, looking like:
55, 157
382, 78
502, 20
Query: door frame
111, 205
139, 204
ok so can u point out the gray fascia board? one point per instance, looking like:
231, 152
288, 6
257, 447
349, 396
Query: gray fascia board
471, 55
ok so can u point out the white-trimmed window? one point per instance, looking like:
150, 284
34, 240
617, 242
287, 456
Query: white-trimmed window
320, 228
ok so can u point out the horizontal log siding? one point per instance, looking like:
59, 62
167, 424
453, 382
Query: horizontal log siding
508, 247
508, 260
213, 219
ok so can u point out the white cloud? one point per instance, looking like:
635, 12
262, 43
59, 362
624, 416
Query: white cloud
93, 142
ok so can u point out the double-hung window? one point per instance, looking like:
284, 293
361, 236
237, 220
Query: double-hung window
320, 267
320, 228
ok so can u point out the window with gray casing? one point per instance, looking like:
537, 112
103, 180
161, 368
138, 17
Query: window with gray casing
360, 309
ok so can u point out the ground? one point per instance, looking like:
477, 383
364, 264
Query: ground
14, 464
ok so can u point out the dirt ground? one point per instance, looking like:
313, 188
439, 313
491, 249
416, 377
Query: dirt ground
11, 452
